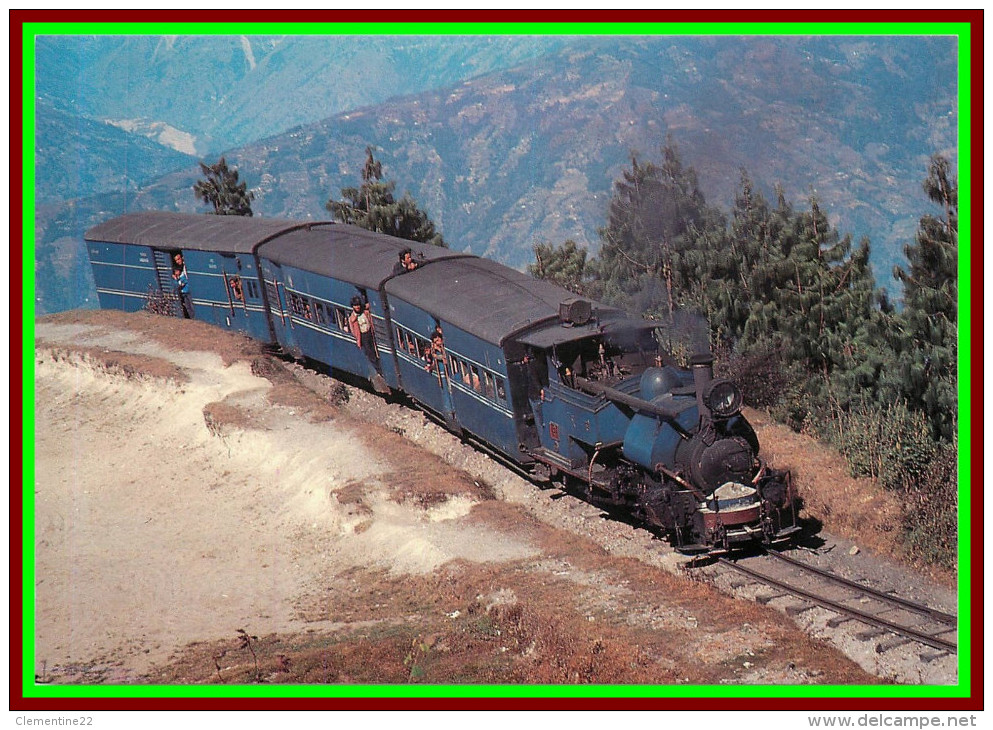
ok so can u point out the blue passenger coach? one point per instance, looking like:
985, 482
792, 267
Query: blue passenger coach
133, 258
311, 275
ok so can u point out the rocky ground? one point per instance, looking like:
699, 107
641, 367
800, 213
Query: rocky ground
206, 514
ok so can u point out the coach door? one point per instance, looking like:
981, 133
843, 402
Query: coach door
164, 266
279, 312
429, 385
443, 376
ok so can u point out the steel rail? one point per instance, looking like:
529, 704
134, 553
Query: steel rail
927, 639
932, 613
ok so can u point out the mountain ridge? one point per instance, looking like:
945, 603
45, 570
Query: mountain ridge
529, 153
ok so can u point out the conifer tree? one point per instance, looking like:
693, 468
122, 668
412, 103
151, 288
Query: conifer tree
373, 207
740, 278
830, 296
928, 340
564, 265
223, 191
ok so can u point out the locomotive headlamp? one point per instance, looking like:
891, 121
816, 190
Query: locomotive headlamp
723, 398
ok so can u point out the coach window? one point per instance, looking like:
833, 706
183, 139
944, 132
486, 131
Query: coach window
474, 376
422, 347
273, 293
341, 317
404, 343
461, 369
237, 294
501, 393
488, 390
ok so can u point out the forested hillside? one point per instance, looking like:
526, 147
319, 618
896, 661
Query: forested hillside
226, 90
793, 308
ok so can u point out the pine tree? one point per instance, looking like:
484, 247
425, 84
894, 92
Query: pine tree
222, 190
373, 207
564, 265
740, 277
773, 275
928, 340
834, 292
812, 302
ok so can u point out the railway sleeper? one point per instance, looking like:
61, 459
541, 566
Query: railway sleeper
767, 598
871, 633
795, 609
892, 643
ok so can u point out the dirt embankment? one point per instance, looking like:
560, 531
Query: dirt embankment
201, 516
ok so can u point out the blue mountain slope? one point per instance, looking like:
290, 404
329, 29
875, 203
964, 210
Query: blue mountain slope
530, 153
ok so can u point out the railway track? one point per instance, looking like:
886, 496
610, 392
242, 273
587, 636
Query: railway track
850, 600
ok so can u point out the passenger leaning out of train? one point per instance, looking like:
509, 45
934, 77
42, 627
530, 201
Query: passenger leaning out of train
360, 322
183, 291
405, 264
536, 371
436, 354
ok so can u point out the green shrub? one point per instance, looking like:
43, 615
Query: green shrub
894, 446
891, 444
930, 519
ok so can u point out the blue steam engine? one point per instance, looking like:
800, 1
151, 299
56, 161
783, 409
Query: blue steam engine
668, 445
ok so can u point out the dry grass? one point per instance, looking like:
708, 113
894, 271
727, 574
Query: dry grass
513, 624
169, 332
575, 615
858, 509
221, 418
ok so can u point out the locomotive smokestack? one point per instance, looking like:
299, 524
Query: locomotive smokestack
703, 373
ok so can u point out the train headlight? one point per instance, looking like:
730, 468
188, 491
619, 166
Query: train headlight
723, 398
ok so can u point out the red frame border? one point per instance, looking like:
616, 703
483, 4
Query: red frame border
18, 701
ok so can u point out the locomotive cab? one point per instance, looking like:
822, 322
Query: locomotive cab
612, 355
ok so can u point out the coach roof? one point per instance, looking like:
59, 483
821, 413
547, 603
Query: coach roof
480, 296
477, 295
193, 232
346, 252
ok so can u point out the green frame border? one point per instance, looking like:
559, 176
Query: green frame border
961, 30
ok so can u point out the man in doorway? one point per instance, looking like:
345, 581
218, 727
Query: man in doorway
183, 290
360, 322
536, 370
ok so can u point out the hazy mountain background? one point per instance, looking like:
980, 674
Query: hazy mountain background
504, 141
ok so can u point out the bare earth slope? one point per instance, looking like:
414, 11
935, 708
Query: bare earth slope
196, 522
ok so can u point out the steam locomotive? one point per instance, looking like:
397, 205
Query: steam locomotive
569, 390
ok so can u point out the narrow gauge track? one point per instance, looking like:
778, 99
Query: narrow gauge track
905, 618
